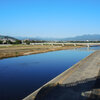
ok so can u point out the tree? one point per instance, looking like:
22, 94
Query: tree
27, 42
17, 42
1, 42
8, 42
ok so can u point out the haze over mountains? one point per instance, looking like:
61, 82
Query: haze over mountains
94, 37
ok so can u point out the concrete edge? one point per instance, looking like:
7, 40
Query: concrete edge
57, 79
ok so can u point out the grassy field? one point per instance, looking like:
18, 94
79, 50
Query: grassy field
20, 50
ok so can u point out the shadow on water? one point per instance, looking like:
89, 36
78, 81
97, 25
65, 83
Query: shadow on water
88, 89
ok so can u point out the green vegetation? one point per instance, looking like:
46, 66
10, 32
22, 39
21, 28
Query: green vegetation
8, 40
1, 42
84, 41
78, 42
17, 42
27, 42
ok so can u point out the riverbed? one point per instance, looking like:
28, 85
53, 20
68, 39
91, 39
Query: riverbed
20, 76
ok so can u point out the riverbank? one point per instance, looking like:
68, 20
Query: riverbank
80, 82
7, 51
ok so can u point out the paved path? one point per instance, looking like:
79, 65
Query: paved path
89, 68
77, 83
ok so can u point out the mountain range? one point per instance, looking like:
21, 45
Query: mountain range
7, 38
94, 37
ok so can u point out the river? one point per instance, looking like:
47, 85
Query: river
20, 76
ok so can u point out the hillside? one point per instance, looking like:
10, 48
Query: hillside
7, 38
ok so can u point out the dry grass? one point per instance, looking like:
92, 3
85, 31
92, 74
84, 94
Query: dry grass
20, 50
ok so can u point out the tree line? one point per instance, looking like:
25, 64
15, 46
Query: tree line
42, 41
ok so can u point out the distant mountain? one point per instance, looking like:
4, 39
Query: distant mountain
7, 38
94, 37
39, 38
77, 38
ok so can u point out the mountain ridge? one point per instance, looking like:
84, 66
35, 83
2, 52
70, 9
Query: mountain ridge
93, 37
2, 37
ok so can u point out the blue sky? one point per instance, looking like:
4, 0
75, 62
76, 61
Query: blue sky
49, 18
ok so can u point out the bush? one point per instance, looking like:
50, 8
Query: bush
17, 42
1, 42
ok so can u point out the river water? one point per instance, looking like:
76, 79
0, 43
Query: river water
20, 76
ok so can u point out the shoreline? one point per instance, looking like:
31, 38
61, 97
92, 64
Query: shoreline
16, 51
61, 77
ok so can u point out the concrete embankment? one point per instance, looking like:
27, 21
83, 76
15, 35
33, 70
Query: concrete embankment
78, 81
